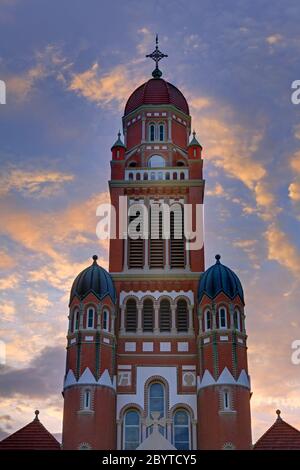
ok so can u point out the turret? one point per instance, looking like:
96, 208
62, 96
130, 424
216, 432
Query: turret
89, 385
224, 384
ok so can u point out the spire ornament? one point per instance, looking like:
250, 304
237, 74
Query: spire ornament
156, 55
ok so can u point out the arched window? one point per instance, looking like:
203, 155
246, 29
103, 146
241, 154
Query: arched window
148, 315
145, 176
76, 320
132, 430
87, 400
130, 176
152, 132
152, 176
131, 315
138, 176
167, 176
222, 318
105, 323
182, 175
174, 175
182, 318
90, 318
156, 399
132, 164
181, 426
237, 320
165, 315
207, 320
180, 163
161, 130
156, 161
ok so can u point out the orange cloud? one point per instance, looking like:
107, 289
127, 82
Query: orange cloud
33, 183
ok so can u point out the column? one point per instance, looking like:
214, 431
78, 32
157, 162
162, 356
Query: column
139, 319
169, 128
143, 128
173, 313
191, 323
231, 316
119, 435
200, 315
194, 435
113, 318
81, 311
98, 319
214, 320
122, 327
156, 316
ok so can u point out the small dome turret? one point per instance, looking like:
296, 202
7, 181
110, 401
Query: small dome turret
219, 278
95, 280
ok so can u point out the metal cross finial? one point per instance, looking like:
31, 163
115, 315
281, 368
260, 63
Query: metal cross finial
156, 55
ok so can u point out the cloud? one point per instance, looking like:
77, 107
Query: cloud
32, 183
7, 310
280, 249
218, 190
47, 62
6, 260
294, 191
295, 161
105, 89
43, 376
39, 301
274, 39
43, 233
9, 282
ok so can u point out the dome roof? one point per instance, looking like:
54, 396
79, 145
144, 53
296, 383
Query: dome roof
219, 278
156, 91
94, 279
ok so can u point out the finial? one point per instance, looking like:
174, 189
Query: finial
36, 415
278, 412
95, 257
194, 133
218, 257
156, 55
119, 134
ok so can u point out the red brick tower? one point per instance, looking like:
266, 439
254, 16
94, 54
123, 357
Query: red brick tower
89, 386
224, 420
164, 374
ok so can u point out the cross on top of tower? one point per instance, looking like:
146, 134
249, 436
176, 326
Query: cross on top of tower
156, 55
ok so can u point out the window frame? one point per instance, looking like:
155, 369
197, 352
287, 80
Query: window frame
187, 426
90, 308
221, 327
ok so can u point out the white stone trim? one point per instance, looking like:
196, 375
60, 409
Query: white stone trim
157, 294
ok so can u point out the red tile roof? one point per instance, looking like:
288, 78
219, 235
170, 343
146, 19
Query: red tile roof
280, 436
33, 436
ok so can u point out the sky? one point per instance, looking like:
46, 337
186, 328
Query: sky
69, 67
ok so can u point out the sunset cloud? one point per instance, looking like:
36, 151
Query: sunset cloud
33, 183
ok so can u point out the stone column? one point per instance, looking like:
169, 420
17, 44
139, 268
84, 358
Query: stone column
122, 327
173, 317
156, 316
191, 323
139, 317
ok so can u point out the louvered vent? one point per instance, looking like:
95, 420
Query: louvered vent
182, 318
177, 245
165, 316
148, 315
156, 242
131, 315
135, 248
